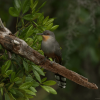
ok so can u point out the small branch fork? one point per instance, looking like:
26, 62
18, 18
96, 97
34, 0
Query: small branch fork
20, 47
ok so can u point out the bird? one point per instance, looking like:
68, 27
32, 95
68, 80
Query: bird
51, 49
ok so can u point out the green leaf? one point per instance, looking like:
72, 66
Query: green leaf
8, 72
12, 90
11, 96
29, 40
50, 82
33, 89
1, 90
44, 79
35, 84
39, 70
29, 32
30, 92
7, 96
45, 88
2, 84
40, 18
49, 26
25, 6
16, 79
31, 3
41, 6
49, 89
26, 85
10, 86
6, 66
36, 15
23, 33
28, 17
49, 21
45, 20
54, 27
19, 81
37, 76
13, 12
12, 76
17, 5
29, 79
34, 5
19, 93
25, 65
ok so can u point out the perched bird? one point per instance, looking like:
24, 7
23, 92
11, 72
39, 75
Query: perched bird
52, 50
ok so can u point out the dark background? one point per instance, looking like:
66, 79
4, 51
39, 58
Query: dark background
79, 38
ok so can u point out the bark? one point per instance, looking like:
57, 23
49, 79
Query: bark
20, 47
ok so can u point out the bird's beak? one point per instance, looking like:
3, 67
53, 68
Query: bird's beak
39, 34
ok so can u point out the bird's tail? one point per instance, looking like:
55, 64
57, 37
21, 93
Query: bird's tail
61, 81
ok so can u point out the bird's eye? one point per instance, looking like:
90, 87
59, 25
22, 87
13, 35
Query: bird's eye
48, 34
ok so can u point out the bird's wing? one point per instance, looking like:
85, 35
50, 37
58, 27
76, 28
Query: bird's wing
57, 52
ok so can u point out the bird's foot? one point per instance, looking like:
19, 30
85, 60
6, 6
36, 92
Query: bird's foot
52, 62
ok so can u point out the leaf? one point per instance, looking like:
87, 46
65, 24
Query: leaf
34, 5
1, 90
40, 18
33, 89
19, 81
39, 70
26, 85
29, 40
29, 32
49, 21
37, 76
19, 93
36, 15
10, 86
17, 5
45, 88
49, 89
8, 72
1, 84
11, 96
45, 20
13, 12
23, 33
28, 17
29, 79
41, 6
54, 27
50, 82
30, 92
12, 90
25, 6
49, 26
16, 79
44, 79
7, 96
35, 84
5, 66
12, 76
25, 65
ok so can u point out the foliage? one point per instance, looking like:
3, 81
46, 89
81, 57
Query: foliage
19, 77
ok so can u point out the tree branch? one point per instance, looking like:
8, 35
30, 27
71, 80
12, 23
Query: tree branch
20, 47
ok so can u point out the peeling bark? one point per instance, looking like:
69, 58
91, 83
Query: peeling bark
20, 47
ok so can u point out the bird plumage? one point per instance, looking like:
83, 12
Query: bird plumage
52, 50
